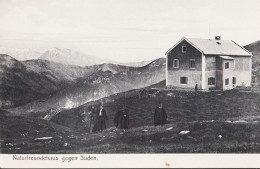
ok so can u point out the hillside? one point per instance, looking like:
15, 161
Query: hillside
212, 125
66, 74
254, 48
70, 57
186, 106
19, 85
26, 81
106, 79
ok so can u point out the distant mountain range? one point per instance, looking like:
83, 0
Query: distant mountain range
64, 56
57, 69
21, 54
70, 57
24, 81
137, 64
101, 81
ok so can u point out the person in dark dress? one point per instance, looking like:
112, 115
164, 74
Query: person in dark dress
160, 116
101, 118
196, 86
122, 119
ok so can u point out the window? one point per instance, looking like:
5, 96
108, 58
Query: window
192, 63
226, 81
234, 80
175, 63
227, 65
184, 49
184, 80
211, 81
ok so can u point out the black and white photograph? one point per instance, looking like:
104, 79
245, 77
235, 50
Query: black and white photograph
129, 77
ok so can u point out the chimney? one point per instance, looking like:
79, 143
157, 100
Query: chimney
217, 37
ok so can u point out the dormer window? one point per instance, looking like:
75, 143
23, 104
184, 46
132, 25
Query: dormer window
184, 49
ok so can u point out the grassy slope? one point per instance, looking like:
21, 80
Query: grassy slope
184, 106
187, 111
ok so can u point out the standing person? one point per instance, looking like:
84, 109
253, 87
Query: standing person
196, 87
160, 116
92, 116
89, 117
122, 118
101, 118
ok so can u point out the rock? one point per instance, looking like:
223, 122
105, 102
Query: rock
219, 136
9, 144
170, 94
65, 144
184, 132
169, 128
43, 138
240, 121
47, 117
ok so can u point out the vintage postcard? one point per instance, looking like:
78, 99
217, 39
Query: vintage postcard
129, 83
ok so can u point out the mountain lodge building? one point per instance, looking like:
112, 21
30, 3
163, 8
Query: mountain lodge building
209, 63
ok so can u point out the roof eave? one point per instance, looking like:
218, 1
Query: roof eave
227, 54
243, 48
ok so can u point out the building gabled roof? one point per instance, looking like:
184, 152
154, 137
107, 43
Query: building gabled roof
216, 47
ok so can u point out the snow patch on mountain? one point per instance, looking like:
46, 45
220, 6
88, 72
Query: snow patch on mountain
70, 57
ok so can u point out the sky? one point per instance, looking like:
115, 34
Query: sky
124, 30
